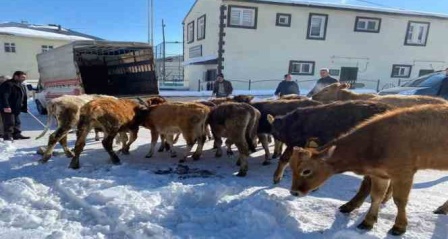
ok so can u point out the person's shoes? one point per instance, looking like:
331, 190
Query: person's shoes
19, 137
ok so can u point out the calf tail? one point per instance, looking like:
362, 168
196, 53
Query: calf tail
251, 133
50, 115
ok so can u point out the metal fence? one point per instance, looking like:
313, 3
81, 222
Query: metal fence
249, 84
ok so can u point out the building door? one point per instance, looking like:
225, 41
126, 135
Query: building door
423, 72
210, 77
349, 74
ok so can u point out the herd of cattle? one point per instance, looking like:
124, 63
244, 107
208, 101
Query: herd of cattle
385, 138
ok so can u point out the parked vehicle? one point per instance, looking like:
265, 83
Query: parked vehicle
430, 84
121, 69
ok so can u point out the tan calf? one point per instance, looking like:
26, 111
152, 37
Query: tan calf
173, 118
112, 116
392, 146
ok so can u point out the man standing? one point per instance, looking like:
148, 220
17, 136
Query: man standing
287, 86
325, 80
222, 88
13, 101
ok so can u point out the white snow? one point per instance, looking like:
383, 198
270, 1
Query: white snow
18, 31
133, 201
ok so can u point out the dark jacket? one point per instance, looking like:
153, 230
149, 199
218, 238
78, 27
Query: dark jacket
13, 95
321, 83
227, 88
287, 87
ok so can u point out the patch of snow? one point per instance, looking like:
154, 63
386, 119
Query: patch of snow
142, 198
18, 31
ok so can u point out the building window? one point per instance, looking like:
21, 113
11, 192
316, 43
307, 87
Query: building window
317, 26
401, 71
201, 28
242, 17
301, 67
367, 24
46, 48
190, 32
417, 33
283, 20
195, 51
10, 47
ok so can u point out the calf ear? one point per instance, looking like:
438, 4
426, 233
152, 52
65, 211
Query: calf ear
312, 143
270, 119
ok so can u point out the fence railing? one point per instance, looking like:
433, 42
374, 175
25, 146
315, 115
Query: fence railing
250, 84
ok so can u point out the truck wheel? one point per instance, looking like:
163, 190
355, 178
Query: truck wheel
40, 108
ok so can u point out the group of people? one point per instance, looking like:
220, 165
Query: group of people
13, 101
223, 88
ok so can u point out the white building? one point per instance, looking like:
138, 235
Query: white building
264, 39
21, 42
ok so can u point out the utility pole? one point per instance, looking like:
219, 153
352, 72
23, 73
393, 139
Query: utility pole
164, 50
151, 22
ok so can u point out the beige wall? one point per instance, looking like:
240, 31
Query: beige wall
25, 56
264, 53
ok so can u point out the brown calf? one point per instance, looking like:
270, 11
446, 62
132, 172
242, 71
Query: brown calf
391, 146
238, 122
112, 116
169, 119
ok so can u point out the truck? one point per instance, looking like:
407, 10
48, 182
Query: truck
121, 69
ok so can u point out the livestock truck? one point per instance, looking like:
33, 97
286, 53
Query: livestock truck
121, 69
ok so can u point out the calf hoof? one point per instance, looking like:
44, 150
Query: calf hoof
160, 149
274, 156
97, 139
196, 157
266, 162
346, 208
441, 210
238, 163
74, 166
218, 154
230, 153
148, 156
241, 173
173, 155
277, 180
365, 226
44, 159
125, 151
116, 163
397, 231
182, 160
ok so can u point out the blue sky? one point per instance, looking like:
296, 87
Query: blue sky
127, 20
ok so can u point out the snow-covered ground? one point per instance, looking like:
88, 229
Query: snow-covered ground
143, 198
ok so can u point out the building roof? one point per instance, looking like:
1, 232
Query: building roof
340, 6
55, 32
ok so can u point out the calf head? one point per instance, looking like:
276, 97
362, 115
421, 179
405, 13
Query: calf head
309, 169
330, 93
156, 100
243, 98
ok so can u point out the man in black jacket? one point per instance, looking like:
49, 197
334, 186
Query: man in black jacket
287, 86
325, 80
13, 101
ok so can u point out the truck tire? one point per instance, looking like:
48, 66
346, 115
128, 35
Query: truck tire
40, 108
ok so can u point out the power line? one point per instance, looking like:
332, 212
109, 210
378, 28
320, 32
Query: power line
374, 3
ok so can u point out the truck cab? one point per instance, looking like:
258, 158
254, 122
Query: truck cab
121, 69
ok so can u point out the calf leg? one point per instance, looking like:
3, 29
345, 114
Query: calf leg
228, 144
278, 147
401, 188
265, 144
154, 137
54, 138
244, 153
282, 164
162, 143
218, 143
81, 135
108, 142
358, 199
170, 141
190, 142
64, 145
377, 192
97, 134
127, 146
201, 141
